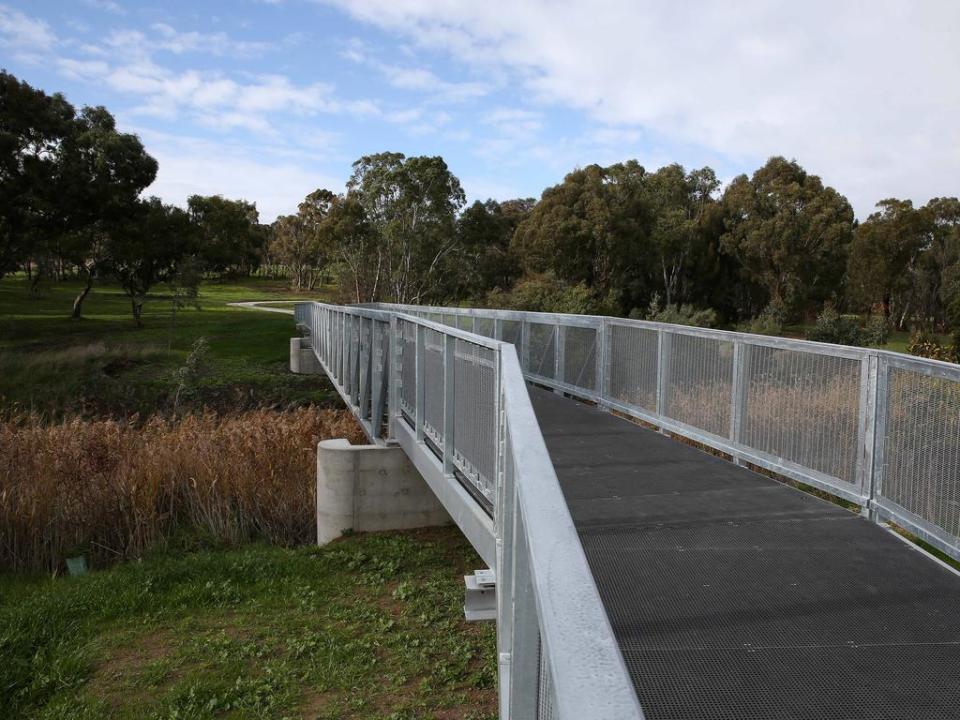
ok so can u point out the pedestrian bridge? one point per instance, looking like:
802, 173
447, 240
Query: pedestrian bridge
624, 481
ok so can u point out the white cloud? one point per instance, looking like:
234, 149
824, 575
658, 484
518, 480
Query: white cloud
106, 5
212, 98
24, 34
218, 43
273, 178
166, 38
424, 80
865, 94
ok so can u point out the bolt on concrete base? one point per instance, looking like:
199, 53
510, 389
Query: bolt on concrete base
365, 488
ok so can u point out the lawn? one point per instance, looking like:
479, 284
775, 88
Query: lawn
368, 627
104, 364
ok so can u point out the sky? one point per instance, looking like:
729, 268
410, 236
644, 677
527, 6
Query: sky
268, 100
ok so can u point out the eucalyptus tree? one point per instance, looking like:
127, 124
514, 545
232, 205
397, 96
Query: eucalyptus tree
592, 228
303, 241
484, 231
883, 258
410, 207
147, 248
678, 203
104, 172
231, 238
33, 129
789, 232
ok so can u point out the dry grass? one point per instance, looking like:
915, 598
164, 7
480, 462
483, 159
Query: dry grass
112, 489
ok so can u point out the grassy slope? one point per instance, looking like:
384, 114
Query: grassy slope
104, 363
368, 627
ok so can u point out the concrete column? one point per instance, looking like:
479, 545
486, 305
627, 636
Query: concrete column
367, 488
302, 359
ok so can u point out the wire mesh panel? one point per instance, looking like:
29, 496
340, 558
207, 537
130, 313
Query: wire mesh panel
450, 319
511, 331
474, 430
541, 354
433, 385
632, 367
922, 447
545, 704
580, 357
699, 381
465, 322
408, 366
484, 326
803, 407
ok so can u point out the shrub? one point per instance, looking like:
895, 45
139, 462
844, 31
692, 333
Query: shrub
677, 314
832, 327
545, 292
769, 322
119, 488
876, 331
924, 344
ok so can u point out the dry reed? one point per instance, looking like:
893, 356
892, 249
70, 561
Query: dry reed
112, 489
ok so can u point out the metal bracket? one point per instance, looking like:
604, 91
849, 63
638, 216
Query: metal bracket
480, 596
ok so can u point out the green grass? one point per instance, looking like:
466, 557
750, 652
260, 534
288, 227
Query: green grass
104, 364
368, 627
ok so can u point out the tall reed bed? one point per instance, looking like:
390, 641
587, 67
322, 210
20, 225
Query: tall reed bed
112, 489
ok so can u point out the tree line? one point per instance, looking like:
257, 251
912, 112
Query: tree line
771, 248
70, 204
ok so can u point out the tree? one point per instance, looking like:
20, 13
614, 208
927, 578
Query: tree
357, 249
678, 203
592, 228
231, 237
789, 232
303, 241
410, 207
883, 258
937, 280
33, 128
102, 175
146, 249
484, 232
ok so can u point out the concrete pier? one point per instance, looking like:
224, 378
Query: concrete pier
366, 488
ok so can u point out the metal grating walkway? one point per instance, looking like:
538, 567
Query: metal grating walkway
734, 597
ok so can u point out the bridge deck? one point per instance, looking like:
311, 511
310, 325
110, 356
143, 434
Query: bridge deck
735, 597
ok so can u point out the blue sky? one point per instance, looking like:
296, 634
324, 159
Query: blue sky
270, 100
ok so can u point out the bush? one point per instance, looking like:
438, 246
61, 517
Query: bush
876, 332
923, 344
832, 327
676, 314
769, 322
545, 292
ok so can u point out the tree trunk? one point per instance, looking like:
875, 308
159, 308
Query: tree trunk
78, 301
137, 308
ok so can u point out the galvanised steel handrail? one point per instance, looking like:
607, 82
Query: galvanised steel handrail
457, 403
877, 428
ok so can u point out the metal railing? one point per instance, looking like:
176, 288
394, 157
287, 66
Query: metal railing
876, 428
456, 401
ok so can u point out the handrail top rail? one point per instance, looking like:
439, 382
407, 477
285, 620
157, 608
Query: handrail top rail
386, 315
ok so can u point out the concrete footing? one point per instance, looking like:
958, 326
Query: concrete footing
366, 488
302, 359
